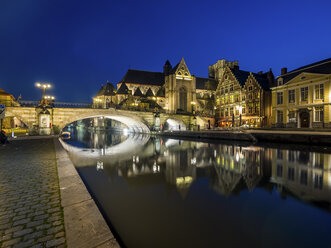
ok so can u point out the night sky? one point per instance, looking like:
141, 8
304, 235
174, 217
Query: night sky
79, 45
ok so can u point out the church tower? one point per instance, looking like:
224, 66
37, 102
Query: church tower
180, 89
167, 68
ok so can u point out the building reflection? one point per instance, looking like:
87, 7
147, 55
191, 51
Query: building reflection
304, 174
230, 169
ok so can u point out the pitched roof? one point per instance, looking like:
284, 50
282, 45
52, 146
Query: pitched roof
123, 90
149, 92
205, 83
321, 67
174, 69
240, 75
138, 92
160, 92
143, 77
262, 79
107, 90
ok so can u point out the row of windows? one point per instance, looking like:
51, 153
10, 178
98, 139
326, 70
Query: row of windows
318, 94
236, 98
251, 108
292, 115
230, 88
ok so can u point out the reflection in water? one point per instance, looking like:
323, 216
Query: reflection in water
141, 173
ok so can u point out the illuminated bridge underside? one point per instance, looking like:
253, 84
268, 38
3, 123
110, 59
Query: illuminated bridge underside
133, 125
122, 150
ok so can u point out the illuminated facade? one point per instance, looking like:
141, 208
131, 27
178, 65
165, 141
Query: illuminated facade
242, 98
175, 90
302, 97
7, 99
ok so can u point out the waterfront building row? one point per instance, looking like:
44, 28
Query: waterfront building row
302, 97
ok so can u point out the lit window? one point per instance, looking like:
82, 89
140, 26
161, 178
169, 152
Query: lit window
319, 114
279, 98
304, 94
243, 109
291, 96
279, 116
319, 91
291, 116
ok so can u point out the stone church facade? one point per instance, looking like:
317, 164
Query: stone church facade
175, 90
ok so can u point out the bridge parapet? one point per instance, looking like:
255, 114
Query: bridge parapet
61, 117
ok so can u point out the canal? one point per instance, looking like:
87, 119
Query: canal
161, 192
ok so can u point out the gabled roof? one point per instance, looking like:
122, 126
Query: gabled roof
240, 75
263, 81
160, 92
123, 90
205, 83
107, 90
149, 92
138, 92
182, 64
321, 67
143, 77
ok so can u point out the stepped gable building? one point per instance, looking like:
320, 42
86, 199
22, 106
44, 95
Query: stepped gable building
302, 97
242, 97
175, 90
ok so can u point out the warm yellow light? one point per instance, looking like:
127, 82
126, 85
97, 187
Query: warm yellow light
193, 103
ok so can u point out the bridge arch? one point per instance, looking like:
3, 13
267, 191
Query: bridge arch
174, 124
134, 125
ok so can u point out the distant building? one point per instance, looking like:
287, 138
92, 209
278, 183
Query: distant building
7, 99
174, 90
242, 97
302, 97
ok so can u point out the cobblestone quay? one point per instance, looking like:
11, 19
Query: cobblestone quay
30, 207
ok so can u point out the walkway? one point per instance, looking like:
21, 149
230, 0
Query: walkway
30, 212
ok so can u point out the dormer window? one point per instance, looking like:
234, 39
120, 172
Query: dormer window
250, 88
280, 82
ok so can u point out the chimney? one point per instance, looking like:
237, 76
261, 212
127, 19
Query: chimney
283, 71
236, 67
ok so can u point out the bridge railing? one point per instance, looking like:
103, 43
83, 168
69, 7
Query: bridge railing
57, 104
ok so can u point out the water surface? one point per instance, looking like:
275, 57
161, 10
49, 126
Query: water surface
159, 192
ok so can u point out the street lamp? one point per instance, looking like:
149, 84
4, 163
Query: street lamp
43, 86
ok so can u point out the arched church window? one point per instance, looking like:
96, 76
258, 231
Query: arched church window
183, 99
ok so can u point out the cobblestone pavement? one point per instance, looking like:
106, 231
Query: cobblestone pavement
30, 208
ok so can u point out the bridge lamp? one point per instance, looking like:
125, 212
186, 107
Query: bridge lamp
49, 98
43, 86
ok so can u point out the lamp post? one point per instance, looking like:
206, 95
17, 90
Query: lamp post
43, 86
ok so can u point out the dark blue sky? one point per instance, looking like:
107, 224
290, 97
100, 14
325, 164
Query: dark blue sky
79, 45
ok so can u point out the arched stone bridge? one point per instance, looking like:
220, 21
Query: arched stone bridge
135, 120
